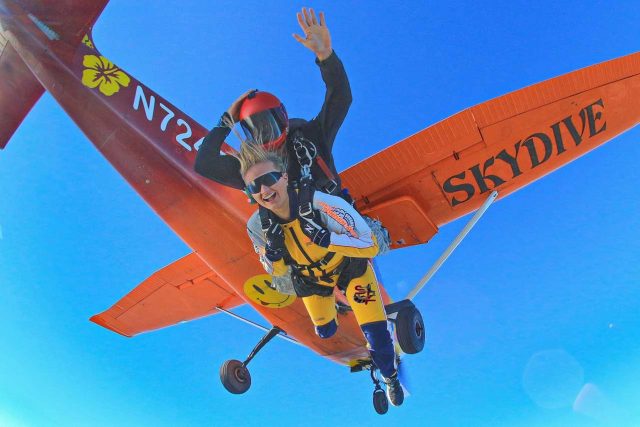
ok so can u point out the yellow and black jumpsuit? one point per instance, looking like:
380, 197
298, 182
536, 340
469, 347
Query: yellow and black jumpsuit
318, 270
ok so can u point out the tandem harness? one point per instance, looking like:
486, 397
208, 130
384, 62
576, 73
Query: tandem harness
312, 164
347, 270
315, 171
307, 278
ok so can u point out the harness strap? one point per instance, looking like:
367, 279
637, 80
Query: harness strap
309, 268
325, 168
306, 152
347, 270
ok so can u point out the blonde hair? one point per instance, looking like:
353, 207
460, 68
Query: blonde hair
252, 153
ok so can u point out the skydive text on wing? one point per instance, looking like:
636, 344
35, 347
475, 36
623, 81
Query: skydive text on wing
527, 154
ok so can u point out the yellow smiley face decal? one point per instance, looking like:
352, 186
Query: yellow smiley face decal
258, 290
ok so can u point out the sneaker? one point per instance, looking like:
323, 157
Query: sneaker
395, 393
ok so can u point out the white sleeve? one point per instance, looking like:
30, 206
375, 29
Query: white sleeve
350, 234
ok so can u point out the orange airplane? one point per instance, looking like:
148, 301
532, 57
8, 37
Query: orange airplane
415, 186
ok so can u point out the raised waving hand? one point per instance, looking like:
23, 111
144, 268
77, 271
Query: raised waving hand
316, 34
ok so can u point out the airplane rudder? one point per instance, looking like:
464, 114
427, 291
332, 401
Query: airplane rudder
19, 91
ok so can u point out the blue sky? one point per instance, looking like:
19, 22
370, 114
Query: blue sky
534, 320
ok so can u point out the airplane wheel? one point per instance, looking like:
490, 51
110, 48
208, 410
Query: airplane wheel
235, 376
380, 402
410, 330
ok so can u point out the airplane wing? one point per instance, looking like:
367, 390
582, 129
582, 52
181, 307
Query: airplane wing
448, 169
187, 289
184, 290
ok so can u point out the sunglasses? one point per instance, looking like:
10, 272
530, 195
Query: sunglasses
268, 179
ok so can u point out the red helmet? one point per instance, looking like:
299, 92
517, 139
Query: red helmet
264, 119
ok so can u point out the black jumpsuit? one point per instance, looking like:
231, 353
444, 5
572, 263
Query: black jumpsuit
320, 132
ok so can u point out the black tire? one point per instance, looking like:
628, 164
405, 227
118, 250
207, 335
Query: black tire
410, 330
235, 377
380, 402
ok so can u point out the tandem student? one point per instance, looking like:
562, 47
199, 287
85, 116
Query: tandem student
323, 243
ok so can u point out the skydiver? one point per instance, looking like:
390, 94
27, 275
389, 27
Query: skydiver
326, 243
264, 120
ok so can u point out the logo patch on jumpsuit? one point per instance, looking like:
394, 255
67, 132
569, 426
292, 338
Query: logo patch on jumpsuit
308, 228
342, 217
364, 295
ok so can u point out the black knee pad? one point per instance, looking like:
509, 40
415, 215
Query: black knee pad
378, 335
382, 351
327, 330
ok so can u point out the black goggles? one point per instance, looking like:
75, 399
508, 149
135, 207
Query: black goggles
268, 179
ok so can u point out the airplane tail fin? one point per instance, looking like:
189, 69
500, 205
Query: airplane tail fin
67, 21
19, 91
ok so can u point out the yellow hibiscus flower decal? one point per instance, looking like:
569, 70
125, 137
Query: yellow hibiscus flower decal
101, 73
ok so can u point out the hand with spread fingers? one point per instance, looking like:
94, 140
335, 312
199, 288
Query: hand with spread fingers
316, 34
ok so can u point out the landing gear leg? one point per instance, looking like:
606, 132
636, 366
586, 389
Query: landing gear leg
380, 402
234, 374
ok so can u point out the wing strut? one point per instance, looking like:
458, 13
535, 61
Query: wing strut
283, 335
436, 266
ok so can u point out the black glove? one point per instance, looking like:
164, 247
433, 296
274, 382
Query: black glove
313, 230
225, 120
274, 235
310, 221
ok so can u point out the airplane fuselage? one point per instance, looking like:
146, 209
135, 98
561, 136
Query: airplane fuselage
153, 144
